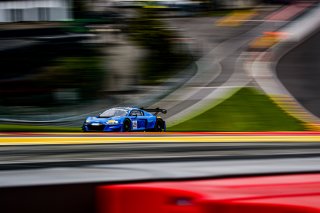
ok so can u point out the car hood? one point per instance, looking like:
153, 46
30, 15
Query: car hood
102, 120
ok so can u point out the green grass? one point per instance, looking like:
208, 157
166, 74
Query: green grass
35, 128
247, 110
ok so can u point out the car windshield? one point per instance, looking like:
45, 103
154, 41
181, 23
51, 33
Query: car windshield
113, 112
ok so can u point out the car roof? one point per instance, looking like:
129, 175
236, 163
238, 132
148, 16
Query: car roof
126, 108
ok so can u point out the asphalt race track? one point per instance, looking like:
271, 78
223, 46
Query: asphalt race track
45, 172
299, 71
47, 150
22, 157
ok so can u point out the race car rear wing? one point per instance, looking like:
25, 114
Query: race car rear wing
156, 110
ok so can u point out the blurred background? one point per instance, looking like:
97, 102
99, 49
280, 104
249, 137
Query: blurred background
63, 60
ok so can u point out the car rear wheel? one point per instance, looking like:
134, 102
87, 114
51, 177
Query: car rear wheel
159, 126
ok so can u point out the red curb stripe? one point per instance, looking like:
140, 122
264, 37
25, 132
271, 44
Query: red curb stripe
288, 12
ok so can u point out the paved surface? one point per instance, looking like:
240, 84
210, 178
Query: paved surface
222, 70
219, 72
295, 69
51, 167
299, 71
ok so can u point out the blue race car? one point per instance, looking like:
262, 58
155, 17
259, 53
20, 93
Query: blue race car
126, 119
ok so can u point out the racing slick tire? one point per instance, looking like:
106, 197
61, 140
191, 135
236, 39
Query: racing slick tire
159, 126
126, 126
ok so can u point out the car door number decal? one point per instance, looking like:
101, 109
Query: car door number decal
134, 125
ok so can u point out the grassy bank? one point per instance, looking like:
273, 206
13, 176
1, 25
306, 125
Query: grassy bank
36, 128
247, 110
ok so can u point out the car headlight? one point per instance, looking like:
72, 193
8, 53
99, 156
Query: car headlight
87, 120
112, 122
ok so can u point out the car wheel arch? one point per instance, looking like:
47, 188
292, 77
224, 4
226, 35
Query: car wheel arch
127, 128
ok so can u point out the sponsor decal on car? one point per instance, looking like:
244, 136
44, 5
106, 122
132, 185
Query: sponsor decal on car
134, 125
112, 122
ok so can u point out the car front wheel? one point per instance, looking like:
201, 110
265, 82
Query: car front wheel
126, 126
